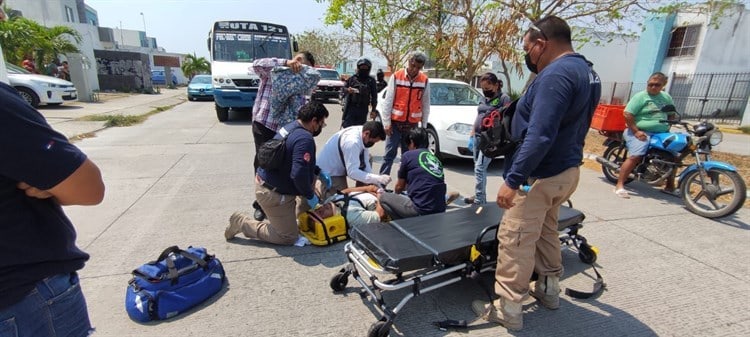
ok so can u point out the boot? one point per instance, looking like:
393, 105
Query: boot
506, 313
547, 291
239, 222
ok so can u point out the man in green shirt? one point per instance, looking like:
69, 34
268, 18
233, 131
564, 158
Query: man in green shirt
642, 116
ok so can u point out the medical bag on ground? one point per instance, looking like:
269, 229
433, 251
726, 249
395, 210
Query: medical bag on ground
177, 281
324, 225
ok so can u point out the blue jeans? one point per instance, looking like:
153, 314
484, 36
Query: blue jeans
55, 307
480, 173
392, 143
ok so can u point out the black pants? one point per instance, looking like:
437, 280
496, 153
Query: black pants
261, 134
354, 115
398, 206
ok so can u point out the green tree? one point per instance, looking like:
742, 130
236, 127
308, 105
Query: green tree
328, 48
21, 36
193, 65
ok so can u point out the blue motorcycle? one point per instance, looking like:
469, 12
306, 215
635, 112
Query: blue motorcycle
711, 189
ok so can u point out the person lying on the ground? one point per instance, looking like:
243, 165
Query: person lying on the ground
360, 205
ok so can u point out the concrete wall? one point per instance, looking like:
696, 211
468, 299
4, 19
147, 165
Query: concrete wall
123, 70
652, 48
46, 12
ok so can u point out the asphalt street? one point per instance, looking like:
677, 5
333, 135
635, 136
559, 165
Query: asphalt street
176, 179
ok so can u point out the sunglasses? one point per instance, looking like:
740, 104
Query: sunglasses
654, 85
537, 29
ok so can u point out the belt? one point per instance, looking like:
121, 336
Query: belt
264, 184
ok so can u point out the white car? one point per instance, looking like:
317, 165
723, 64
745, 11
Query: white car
453, 109
40, 89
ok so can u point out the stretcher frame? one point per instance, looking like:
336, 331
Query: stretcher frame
365, 270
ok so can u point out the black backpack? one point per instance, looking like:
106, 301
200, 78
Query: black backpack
271, 153
494, 137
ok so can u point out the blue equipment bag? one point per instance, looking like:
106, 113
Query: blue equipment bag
175, 282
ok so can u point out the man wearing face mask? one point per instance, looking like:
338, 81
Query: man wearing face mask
551, 121
360, 94
346, 153
494, 99
276, 190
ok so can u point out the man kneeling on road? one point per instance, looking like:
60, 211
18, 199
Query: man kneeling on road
346, 154
276, 190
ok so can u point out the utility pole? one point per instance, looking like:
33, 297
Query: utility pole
144, 31
362, 32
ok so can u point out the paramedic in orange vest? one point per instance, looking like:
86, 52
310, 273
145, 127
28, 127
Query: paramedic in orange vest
407, 103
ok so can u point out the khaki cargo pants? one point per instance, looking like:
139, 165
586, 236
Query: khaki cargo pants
280, 227
528, 235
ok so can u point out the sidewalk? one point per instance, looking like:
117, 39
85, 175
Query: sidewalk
65, 118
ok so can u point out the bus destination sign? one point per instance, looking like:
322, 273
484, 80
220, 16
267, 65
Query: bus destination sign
247, 26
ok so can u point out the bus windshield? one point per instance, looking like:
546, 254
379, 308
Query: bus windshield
247, 47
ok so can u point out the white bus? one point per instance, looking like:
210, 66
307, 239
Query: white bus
234, 45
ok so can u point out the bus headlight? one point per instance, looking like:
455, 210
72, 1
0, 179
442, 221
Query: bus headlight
715, 138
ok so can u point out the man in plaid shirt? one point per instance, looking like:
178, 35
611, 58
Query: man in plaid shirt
264, 126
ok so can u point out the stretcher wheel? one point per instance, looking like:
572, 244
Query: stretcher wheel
378, 329
587, 253
339, 281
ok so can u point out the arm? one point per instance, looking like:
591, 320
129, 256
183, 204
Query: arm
351, 149
400, 186
385, 115
83, 187
301, 173
631, 110
373, 94
426, 105
263, 66
368, 188
379, 209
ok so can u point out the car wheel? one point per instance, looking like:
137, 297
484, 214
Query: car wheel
191, 98
433, 142
29, 96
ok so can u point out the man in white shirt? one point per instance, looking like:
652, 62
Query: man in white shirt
345, 154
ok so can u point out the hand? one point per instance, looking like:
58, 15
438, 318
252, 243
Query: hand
389, 130
373, 114
642, 136
383, 179
471, 143
313, 202
295, 65
325, 178
505, 197
33, 192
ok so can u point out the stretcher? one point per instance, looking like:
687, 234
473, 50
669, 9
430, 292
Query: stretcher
430, 252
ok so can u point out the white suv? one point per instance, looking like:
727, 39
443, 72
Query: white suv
40, 89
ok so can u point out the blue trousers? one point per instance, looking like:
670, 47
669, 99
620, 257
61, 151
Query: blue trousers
54, 308
392, 143
480, 174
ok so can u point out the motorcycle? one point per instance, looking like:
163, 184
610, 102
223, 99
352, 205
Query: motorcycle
709, 188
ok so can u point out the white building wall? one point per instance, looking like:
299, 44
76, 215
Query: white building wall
46, 12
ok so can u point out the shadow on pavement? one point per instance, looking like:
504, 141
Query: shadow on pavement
59, 107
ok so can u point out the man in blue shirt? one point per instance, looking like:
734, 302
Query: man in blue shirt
421, 173
551, 120
40, 172
276, 190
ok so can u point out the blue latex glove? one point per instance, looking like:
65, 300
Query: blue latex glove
313, 202
471, 143
325, 178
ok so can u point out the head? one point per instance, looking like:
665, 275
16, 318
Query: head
372, 132
305, 57
363, 67
417, 139
313, 117
380, 75
656, 83
545, 40
65, 64
490, 85
416, 62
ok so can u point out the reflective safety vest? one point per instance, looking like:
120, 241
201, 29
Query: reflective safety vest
407, 103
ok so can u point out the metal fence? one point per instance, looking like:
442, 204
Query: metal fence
719, 98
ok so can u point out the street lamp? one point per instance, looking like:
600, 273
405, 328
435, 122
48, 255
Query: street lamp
144, 22
147, 44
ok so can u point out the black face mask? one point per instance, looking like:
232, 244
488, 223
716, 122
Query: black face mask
369, 144
531, 66
317, 132
488, 93
363, 73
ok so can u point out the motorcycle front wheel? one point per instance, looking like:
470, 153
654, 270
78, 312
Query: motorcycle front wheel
721, 193
617, 154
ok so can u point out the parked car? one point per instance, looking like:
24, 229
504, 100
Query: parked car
453, 109
40, 89
330, 85
157, 78
200, 87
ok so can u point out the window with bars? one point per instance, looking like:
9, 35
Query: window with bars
69, 14
684, 41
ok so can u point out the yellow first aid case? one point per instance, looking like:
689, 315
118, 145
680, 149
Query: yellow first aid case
323, 232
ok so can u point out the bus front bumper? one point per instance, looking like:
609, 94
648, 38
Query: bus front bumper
235, 98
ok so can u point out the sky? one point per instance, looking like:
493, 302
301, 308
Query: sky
181, 26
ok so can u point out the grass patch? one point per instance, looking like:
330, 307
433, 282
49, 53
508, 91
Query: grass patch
745, 129
125, 120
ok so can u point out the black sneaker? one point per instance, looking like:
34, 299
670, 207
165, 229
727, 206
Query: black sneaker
469, 200
258, 215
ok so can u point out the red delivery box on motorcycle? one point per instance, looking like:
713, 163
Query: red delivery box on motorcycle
609, 118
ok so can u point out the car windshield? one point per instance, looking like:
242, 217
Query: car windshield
14, 69
326, 74
453, 94
201, 80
